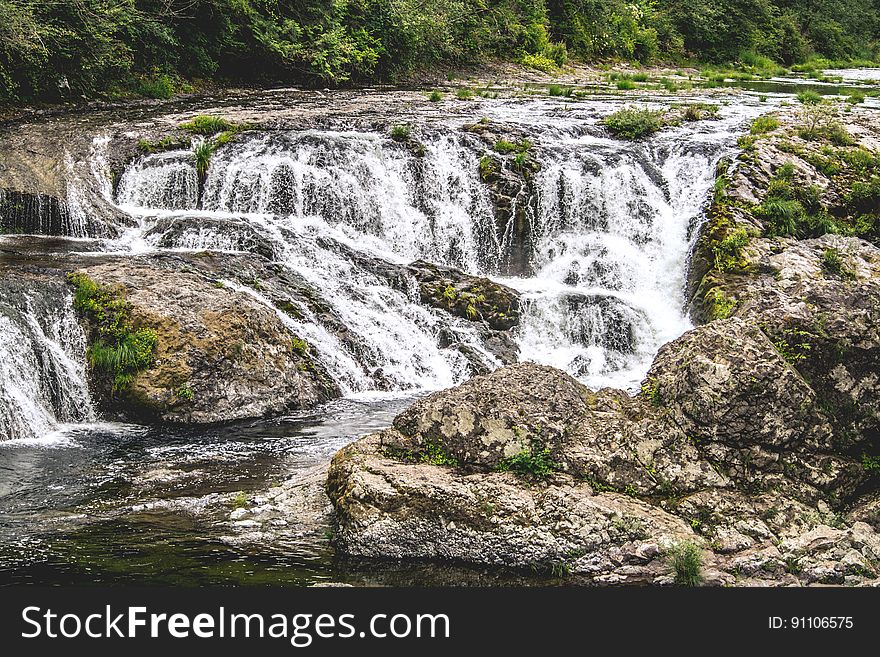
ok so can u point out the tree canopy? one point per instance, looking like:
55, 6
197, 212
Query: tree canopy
54, 49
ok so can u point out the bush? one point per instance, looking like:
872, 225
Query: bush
118, 350
864, 196
855, 98
435, 96
764, 124
686, 562
464, 94
400, 132
161, 86
533, 463
207, 125
626, 84
833, 263
540, 63
634, 123
809, 97
784, 216
202, 154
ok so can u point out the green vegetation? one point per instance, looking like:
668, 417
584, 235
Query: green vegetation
532, 463
202, 154
633, 123
117, 349
833, 263
185, 393
718, 304
558, 90
764, 124
429, 452
240, 501
400, 132
625, 84
651, 389
809, 97
53, 51
728, 251
435, 96
464, 94
686, 563
207, 126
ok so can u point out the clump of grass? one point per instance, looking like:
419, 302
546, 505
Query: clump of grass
634, 123
240, 501
809, 97
435, 96
299, 346
158, 86
202, 154
207, 126
764, 124
118, 350
855, 98
728, 252
532, 463
833, 263
626, 84
686, 563
641, 76
185, 393
464, 94
400, 132
559, 90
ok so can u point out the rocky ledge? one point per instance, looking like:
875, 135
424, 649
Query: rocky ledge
752, 455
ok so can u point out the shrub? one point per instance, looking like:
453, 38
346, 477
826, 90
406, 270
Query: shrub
837, 134
833, 263
118, 350
558, 90
533, 463
633, 123
540, 63
626, 84
504, 146
864, 196
435, 96
207, 125
202, 154
640, 77
686, 562
784, 216
855, 98
464, 94
400, 132
809, 97
764, 124
160, 86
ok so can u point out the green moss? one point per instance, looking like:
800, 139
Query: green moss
118, 351
651, 390
184, 393
718, 304
300, 347
728, 252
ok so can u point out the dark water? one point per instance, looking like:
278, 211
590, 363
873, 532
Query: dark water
115, 504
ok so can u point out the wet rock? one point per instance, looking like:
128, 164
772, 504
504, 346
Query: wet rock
386, 509
471, 297
221, 355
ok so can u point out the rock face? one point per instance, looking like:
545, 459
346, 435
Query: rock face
755, 437
222, 355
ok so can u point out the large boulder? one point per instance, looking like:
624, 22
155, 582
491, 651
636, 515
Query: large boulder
222, 354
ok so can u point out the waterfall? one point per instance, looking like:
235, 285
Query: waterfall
43, 381
610, 228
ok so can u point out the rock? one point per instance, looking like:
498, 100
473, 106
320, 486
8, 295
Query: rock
487, 419
726, 382
470, 297
388, 509
232, 355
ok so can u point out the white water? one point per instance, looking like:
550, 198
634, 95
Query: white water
42, 367
612, 226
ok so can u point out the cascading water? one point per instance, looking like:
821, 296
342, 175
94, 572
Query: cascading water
611, 227
42, 364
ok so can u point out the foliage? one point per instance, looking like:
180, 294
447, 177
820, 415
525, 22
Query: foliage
435, 96
52, 51
809, 97
633, 123
533, 462
400, 132
206, 125
117, 349
202, 154
686, 562
728, 251
764, 124
833, 263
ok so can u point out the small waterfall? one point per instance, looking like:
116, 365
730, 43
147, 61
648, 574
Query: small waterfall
43, 381
610, 227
